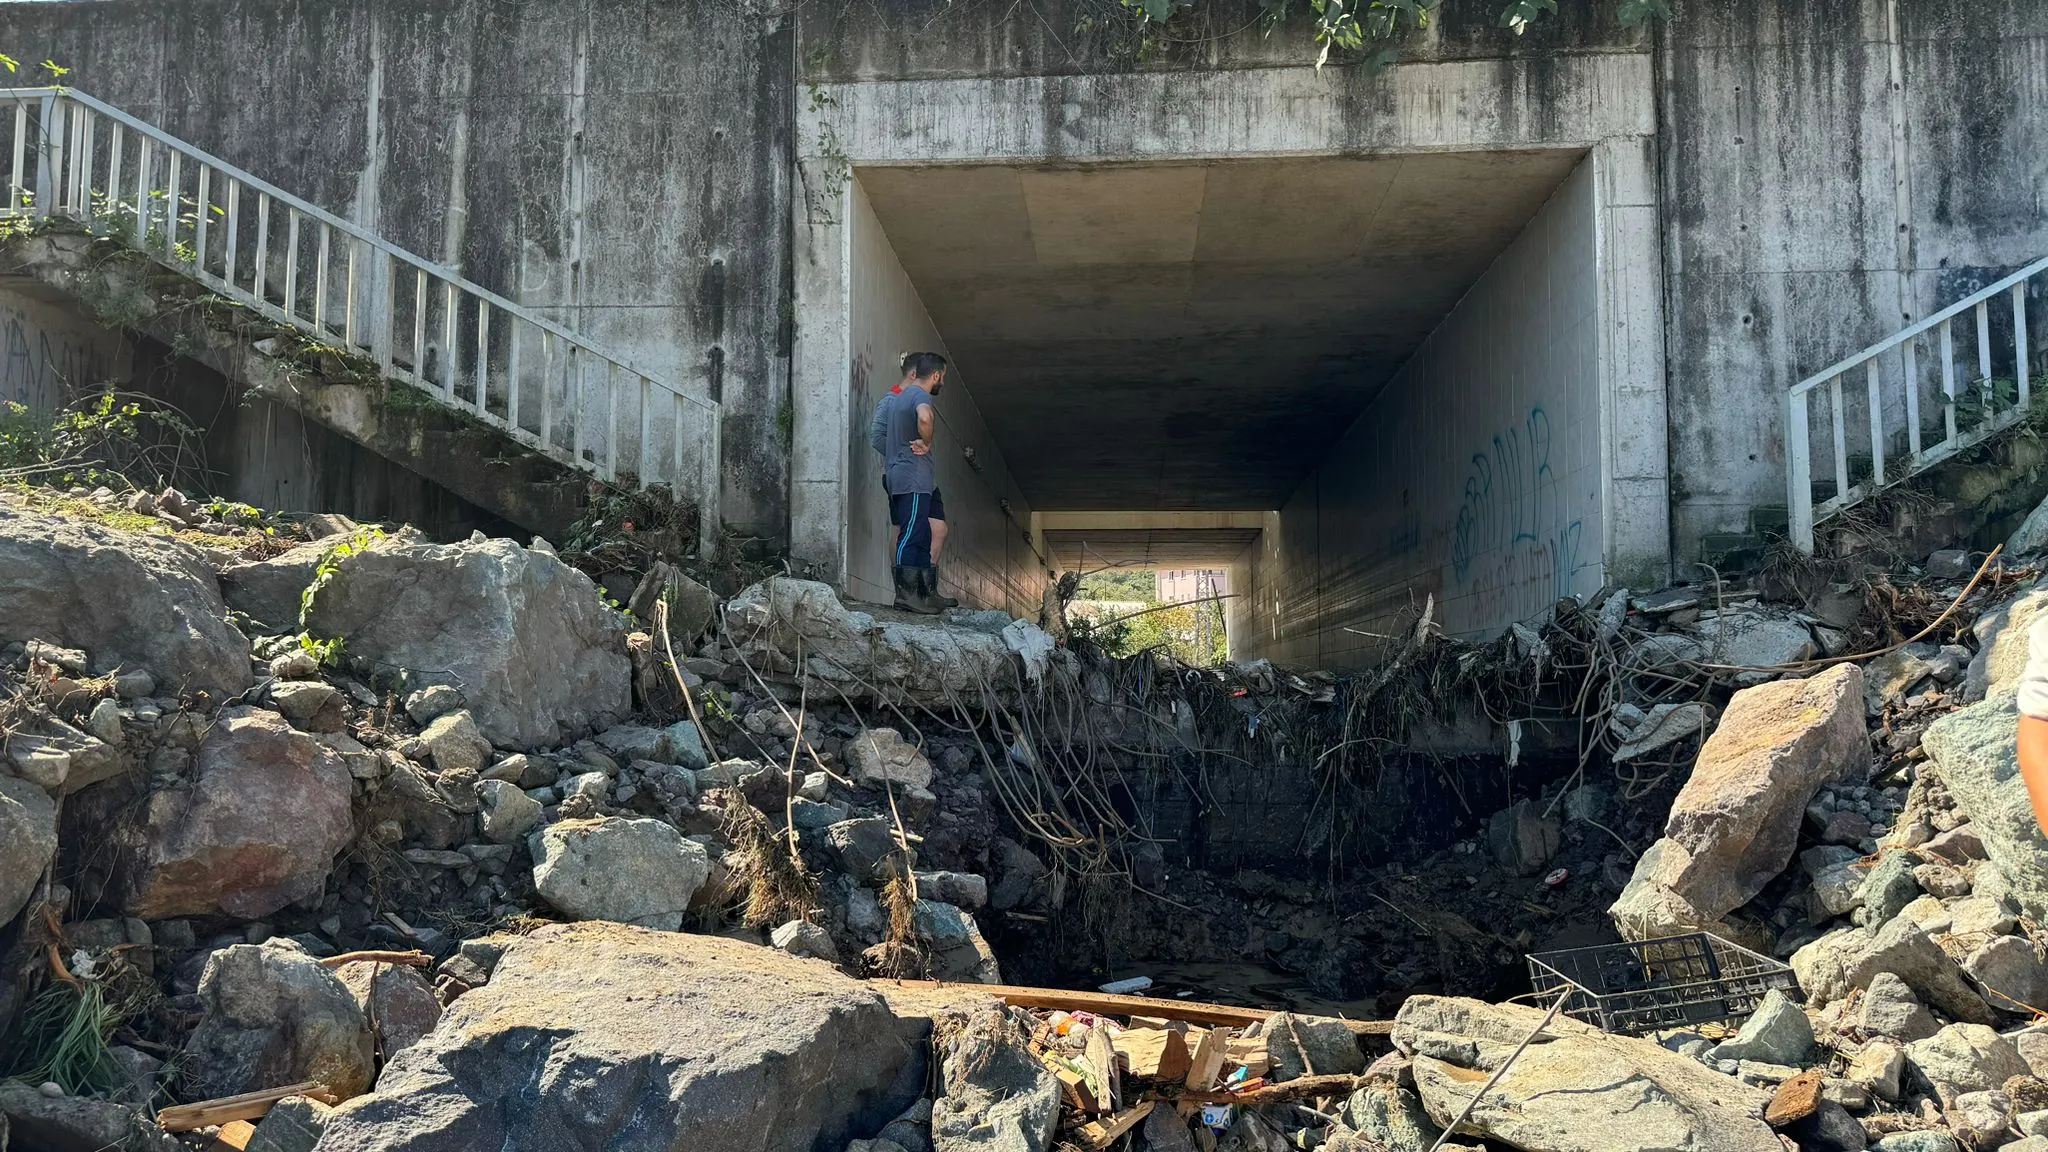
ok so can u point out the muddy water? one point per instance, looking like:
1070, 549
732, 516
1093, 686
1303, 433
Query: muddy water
1242, 984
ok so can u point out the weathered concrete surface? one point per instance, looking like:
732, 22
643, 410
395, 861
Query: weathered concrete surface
594, 1035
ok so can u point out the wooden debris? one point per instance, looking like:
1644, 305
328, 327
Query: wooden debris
1153, 1053
1249, 1051
234, 1135
1075, 1090
1299, 1088
1104, 1004
248, 1106
1100, 1134
1101, 1058
414, 959
1207, 1060
1796, 1099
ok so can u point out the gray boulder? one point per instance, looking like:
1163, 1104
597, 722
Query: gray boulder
999, 1097
536, 654
1734, 825
2013, 971
1778, 1032
1889, 887
396, 1000
271, 592
2002, 642
1829, 968
504, 812
633, 871
456, 744
1889, 1009
273, 1015
1522, 839
1394, 1117
310, 705
1966, 1058
28, 841
127, 598
862, 846
880, 756
604, 1036
38, 1123
293, 1124
1578, 1089
1326, 1044
1975, 752
257, 828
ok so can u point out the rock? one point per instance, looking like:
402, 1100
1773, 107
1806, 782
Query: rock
395, 999
28, 842
1778, 1032
1327, 1045
1975, 751
1879, 1067
1846, 827
1890, 678
605, 1036
1829, 1129
2002, 642
1830, 967
432, 702
297, 664
686, 747
1957, 846
1735, 824
1020, 876
863, 846
1522, 839
38, 1122
998, 1096
1583, 1089
1392, 1116
1979, 915
273, 1015
635, 742
293, 1124
1917, 1142
1746, 637
1966, 1058
2032, 1045
961, 889
456, 744
2013, 971
1659, 728
1941, 881
1981, 1118
807, 940
634, 871
310, 705
256, 829
1840, 889
691, 606
524, 636
105, 722
129, 598
1889, 887
1953, 563
811, 817
271, 592
504, 813
1165, 1131
1889, 1008
879, 755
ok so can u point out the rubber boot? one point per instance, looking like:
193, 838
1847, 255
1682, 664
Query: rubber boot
931, 587
910, 594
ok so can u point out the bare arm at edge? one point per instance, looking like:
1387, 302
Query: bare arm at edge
2034, 766
926, 422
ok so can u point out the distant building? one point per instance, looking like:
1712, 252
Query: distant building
1179, 585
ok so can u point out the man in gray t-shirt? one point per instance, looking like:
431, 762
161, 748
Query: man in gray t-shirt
901, 431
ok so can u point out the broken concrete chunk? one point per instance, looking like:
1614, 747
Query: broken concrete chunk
1328, 1046
633, 871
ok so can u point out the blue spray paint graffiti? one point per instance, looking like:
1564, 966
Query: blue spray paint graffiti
1514, 550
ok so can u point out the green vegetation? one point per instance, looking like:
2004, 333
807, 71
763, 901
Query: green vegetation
1190, 633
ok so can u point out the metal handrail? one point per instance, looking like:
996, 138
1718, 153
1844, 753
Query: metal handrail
1906, 387
55, 155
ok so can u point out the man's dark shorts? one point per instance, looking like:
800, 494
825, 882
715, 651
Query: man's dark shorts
912, 513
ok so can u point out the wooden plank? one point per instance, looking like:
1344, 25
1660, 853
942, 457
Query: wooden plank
248, 1106
1100, 1134
1207, 1060
1074, 1089
1104, 1004
1249, 1051
1299, 1088
235, 1135
1153, 1053
1101, 1059
408, 959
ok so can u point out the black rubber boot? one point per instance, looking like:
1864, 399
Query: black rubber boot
931, 587
910, 593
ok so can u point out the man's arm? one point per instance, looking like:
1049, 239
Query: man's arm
2033, 734
925, 426
878, 428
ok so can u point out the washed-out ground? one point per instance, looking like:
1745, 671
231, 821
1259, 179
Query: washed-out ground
489, 853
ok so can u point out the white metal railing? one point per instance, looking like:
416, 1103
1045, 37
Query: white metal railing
1970, 406
457, 341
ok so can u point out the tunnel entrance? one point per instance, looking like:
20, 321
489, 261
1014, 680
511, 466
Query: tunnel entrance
1355, 385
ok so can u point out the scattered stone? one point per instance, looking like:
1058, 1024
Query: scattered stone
1735, 824
2013, 971
455, 743
1980, 915
1878, 1067
1020, 876
1890, 678
639, 872
1743, 636
815, 787
525, 635
129, 598
961, 889
1966, 1058
1326, 1044
686, 747
1840, 889
504, 813
396, 1000
1847, 828
1778, 1032
39, 1121
2002, 647
880, 756
635, 742
1942, 881
1659, 728
998, 1097
1917, 1142
28, 842
1392, 1116
1981, 1118
432, 702
1831, 967
1522, 839
293, 1124
257, 828
1976, 752
1890, 886
802, 939
605, 1036
1889, 1009
1958, 846
273, 1015
862, 847
310, 705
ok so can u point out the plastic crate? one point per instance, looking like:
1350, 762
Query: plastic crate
1649, 985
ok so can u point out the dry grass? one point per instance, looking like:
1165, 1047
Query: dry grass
777, 886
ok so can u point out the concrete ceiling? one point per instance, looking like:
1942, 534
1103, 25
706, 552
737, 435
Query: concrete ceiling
1071, 550
1194, 336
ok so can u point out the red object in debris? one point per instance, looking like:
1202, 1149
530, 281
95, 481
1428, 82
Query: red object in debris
1556, 878
1241, 692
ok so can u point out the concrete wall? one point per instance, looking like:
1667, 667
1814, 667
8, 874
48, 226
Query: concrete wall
50, 355
988, 560
1476, 477
622, 165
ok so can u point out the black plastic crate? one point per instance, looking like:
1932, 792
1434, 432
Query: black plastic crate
1636, 987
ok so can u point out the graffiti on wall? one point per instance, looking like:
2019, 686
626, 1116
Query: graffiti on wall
1514, 549
41, 365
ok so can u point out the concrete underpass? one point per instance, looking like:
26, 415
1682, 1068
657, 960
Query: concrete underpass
1358, 384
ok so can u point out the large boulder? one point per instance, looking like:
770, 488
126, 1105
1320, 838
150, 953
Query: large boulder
275, 1016
605, 1036
397, 1001
524, 636
1975, 751
2004, 636
1829, 968
131, 599
271, 592
634, 871
39, 1123
999, 1097
28, 839
1576, 1089
256, 828
1735, 824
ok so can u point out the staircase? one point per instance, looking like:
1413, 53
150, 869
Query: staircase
363, 310
1916, 406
